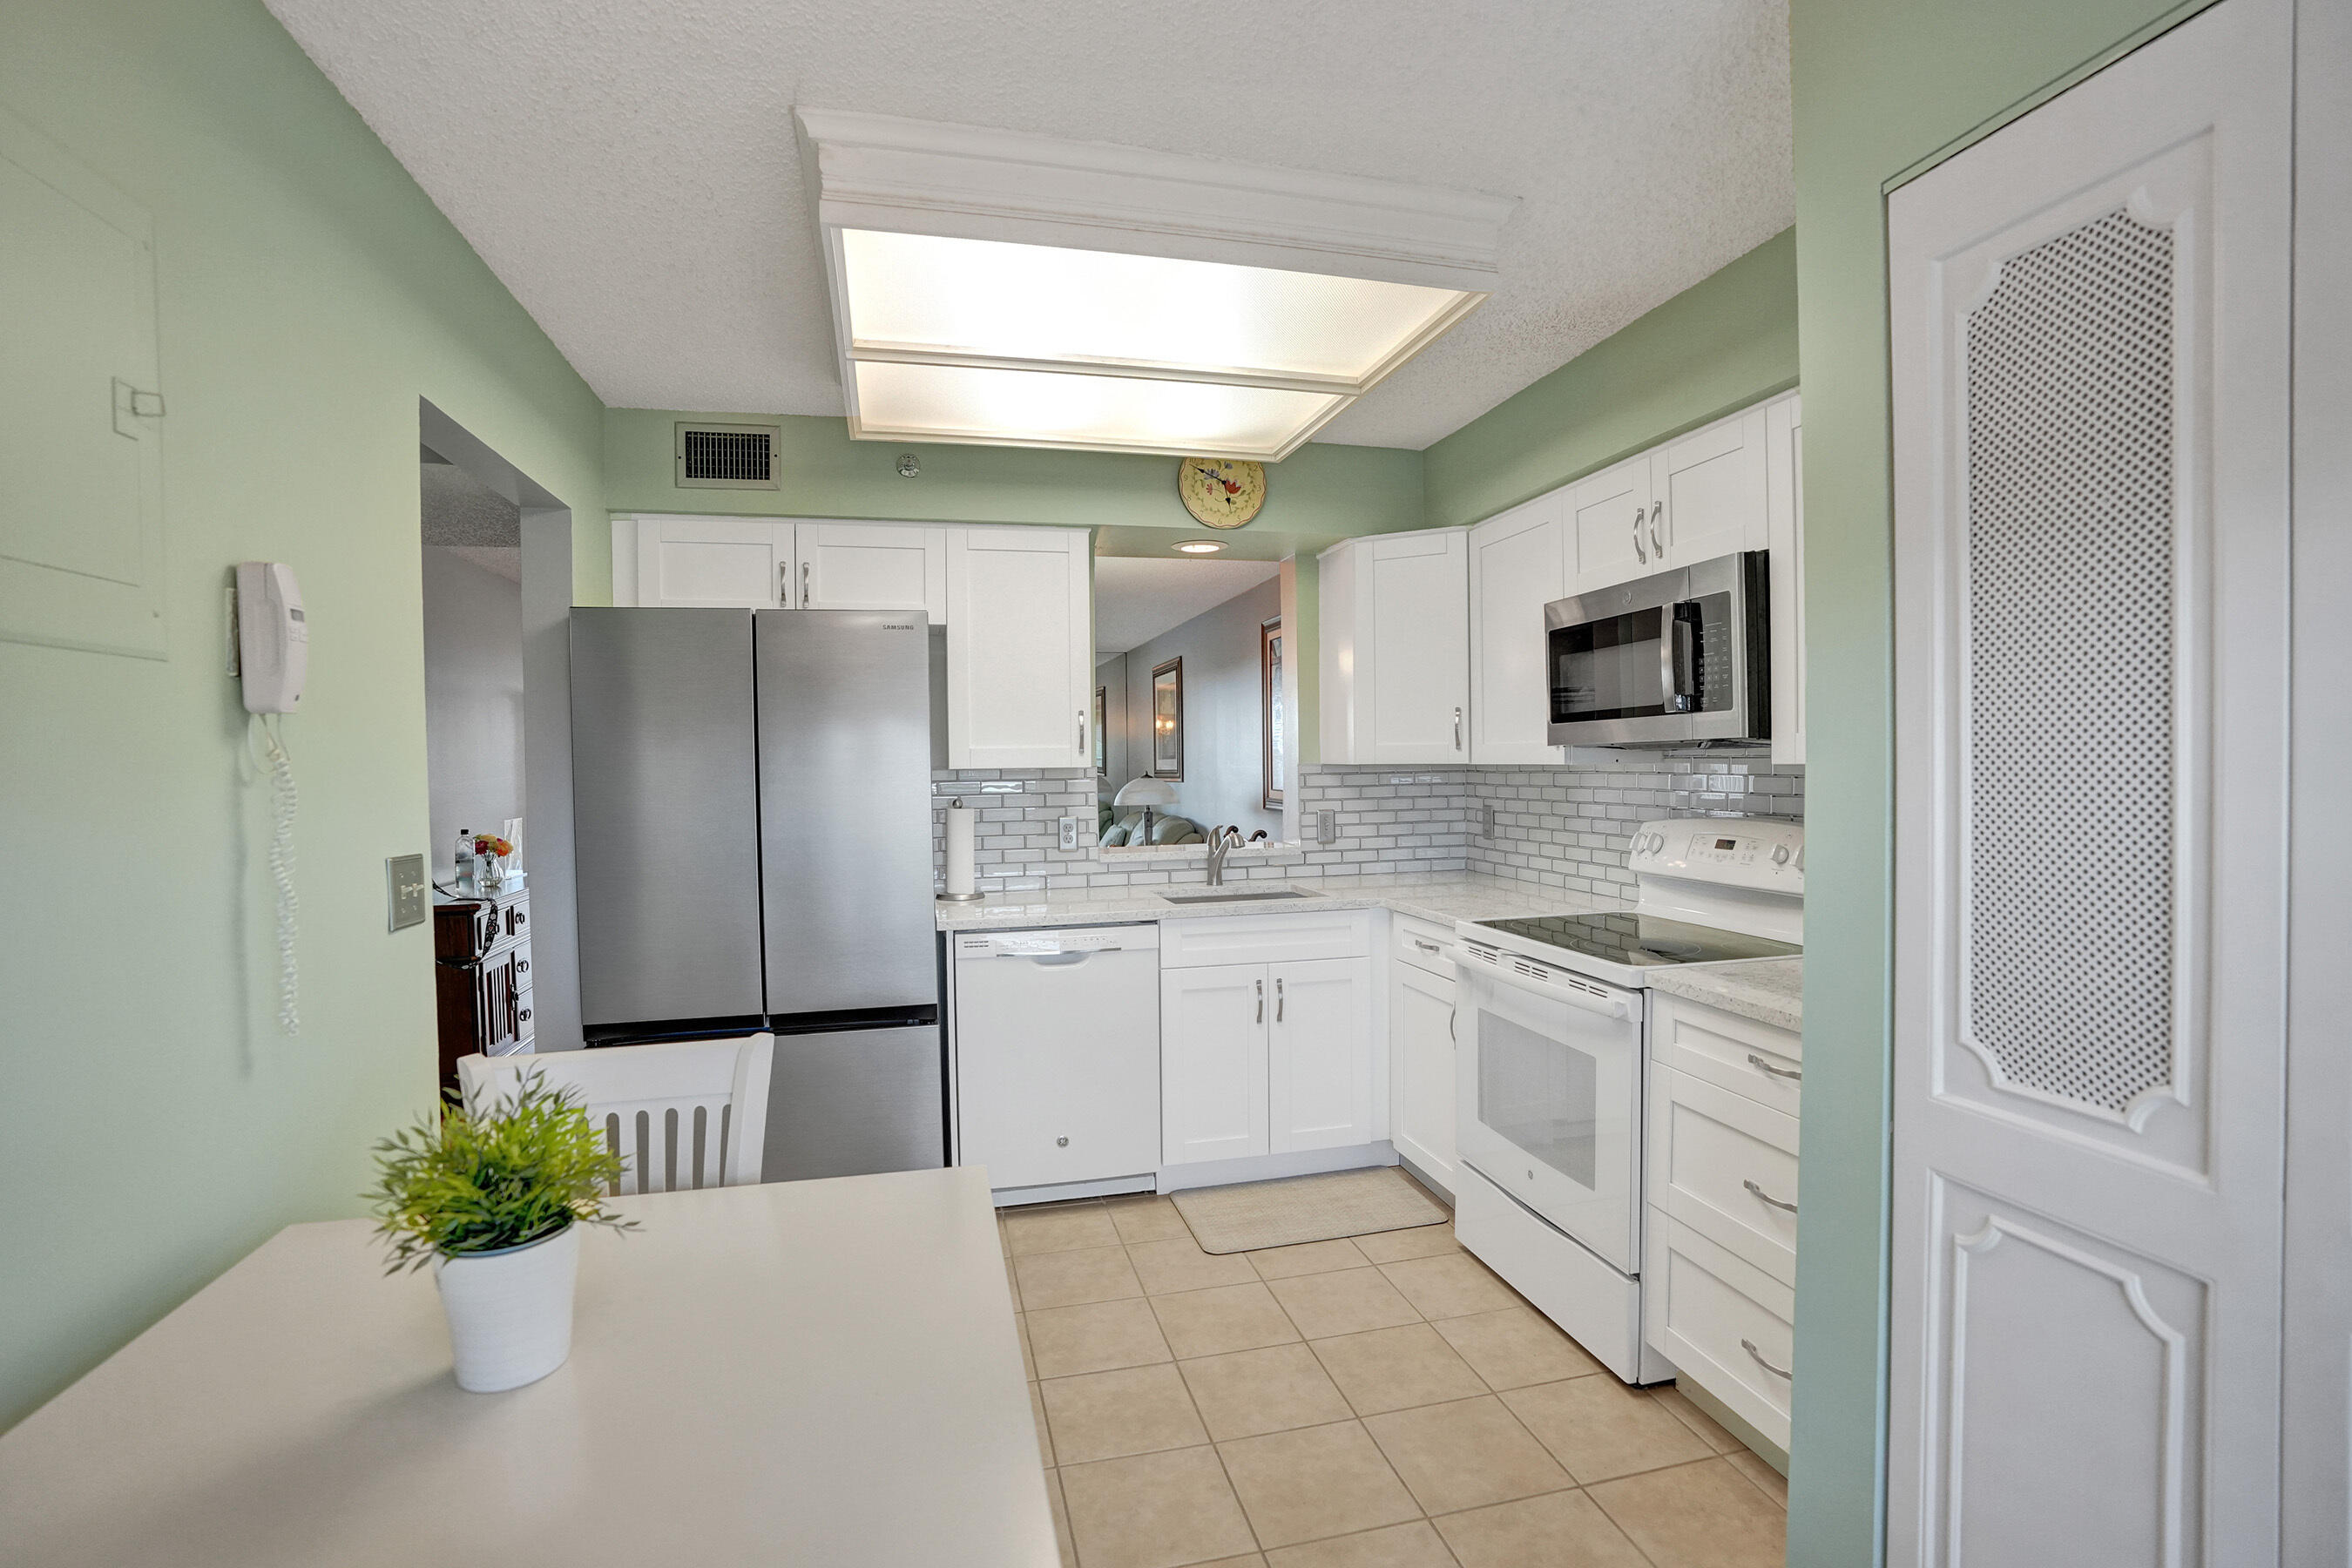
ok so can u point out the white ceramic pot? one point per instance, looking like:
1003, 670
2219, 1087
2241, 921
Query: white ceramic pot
511, 1311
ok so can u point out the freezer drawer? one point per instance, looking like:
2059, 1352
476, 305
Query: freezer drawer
851, 1102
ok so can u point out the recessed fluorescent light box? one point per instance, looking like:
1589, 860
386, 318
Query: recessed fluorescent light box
1000, 289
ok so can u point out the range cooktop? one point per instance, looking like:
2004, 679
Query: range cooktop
1640, 941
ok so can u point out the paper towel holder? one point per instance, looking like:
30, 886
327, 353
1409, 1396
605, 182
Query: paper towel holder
971, 898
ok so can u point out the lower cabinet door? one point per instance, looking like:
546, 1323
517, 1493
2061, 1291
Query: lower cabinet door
1213, 1061
1320, 1054
1420, 1051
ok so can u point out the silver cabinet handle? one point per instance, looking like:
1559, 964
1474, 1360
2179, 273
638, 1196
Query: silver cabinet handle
1457, 729
1261, 1002
1426, 946
1749, 1346
1082, 734
1451, 1013
1761, 1065
1641, 554
1277, 1001
804, 593
1657, 546
783, 584
1760, 1195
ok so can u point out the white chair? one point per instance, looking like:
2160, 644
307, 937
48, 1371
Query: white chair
683, 1113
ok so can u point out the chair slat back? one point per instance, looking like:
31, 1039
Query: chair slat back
681, 1113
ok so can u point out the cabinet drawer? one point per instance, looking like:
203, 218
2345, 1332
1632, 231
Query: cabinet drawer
524, 1030
1722, 1049
1421, 943
521, 955
1721, 1163
1700, 1302
1264, 939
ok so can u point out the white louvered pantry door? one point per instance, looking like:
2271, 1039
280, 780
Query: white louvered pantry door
2089, 335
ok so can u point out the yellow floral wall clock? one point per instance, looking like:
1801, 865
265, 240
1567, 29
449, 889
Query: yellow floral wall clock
1223, 492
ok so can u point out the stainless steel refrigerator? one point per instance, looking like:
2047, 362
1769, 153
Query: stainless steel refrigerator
752, 833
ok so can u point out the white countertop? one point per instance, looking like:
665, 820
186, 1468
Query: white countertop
1771, 991
812, 1372
1443, 898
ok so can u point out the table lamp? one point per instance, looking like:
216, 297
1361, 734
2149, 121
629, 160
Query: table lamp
1146, 792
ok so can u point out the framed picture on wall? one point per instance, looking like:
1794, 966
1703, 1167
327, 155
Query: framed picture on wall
1102, 744
1277, 765
1168, 720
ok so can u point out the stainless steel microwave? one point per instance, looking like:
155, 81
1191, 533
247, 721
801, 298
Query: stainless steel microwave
1683, 658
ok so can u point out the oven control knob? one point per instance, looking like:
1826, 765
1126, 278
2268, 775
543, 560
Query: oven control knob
1657, 843
1781, 855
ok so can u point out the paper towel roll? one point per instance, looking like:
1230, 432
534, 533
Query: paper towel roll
962, 881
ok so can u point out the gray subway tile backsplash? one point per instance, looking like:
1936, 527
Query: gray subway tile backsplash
1558, 827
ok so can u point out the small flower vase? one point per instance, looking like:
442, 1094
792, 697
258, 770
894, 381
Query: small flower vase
494, 872
511, 1311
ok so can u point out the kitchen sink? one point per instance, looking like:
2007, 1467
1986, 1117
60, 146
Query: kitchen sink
1235, 898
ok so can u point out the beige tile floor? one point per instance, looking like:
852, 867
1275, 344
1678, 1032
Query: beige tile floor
1381, 1403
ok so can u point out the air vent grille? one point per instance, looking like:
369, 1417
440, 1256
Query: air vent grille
727, 457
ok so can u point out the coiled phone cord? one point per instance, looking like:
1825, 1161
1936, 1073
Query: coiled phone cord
283, 801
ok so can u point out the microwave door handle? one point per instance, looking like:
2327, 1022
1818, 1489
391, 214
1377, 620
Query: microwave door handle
1677, 652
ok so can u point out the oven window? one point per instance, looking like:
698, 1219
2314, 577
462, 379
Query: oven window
1608, 668
1540, 1094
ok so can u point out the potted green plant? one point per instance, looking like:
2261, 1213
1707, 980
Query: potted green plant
495, 1202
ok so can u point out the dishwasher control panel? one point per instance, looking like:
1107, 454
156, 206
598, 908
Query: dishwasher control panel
1051, 943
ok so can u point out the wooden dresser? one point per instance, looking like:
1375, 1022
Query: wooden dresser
481, 973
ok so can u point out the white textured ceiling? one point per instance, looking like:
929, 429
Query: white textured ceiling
628, 169
1137, 598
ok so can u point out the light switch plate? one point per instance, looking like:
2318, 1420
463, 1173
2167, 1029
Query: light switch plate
404, 884
1327, 828
1486, 819
1069, 825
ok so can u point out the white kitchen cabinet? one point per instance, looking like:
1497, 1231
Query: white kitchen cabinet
716, 562
1421, 1049
1608, 526
1020, 647
1518, 564
1266, 1036
1395, 649
1708, 492
1212, 1062
1318, 1056
1720, 1250
1784, 461
873, 566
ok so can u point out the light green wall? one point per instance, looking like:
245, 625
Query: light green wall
153, 1125
1881, 87
1721, 345
1321, 491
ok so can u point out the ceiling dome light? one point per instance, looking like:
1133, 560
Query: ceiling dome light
999, 289
1199, 546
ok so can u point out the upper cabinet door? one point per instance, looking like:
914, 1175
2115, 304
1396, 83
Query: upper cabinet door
1608, 528
715, 563
1412, 647
1518, 564
1020, 615
1784, 457
1708, 492
873, 566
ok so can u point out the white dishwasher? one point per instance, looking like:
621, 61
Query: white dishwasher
1058, 1056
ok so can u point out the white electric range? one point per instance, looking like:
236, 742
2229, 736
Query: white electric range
1554, 1061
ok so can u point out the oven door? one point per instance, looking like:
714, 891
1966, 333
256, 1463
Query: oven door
1669, 660
1549, 1082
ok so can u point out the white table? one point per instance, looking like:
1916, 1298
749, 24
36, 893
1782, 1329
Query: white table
810, 1372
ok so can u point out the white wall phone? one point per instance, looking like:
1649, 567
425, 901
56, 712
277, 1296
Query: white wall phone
272, 655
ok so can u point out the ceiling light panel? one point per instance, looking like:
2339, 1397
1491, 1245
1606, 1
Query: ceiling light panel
986, 298
1047, 408
994, 286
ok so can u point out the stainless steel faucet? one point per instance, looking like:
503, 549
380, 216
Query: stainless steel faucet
1223, 841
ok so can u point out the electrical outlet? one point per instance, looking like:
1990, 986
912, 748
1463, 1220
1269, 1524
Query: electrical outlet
404, 877
1487, 820
1327, 828
1069, 825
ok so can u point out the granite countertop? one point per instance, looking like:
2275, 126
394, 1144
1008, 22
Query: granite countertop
1441, 896
1770, 992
